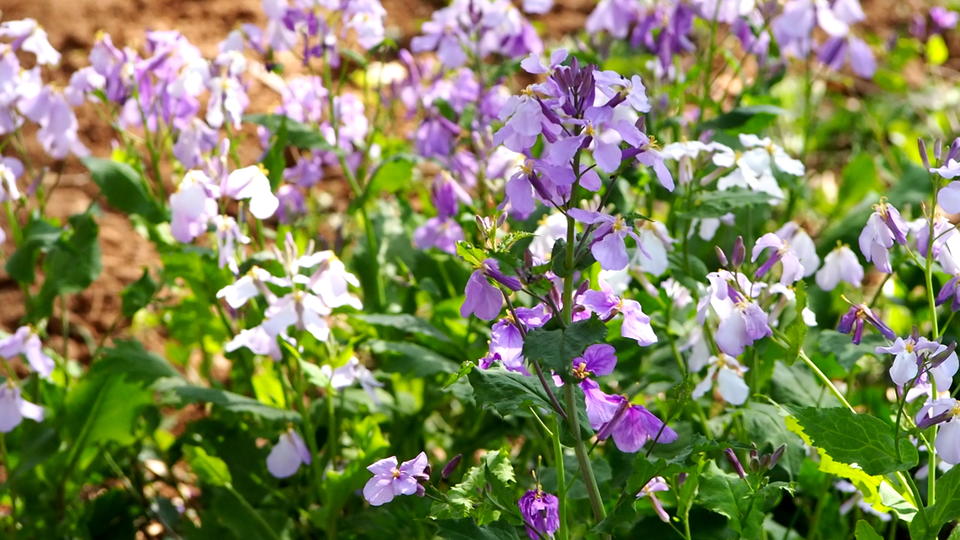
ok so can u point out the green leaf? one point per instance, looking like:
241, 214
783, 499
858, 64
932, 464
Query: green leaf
128, 359
741, 115
38, 236
411, 359
859, 179
856, 439
945, 510
230, 402
466, 529
764, 425
209, 469
833, 342
728, 495
507, 391
138, 294
484, 489
797, 331
392, 175
937, 51
555, 349
71, 264
124, 188
404, 321
298, 134
718, 203
865, 532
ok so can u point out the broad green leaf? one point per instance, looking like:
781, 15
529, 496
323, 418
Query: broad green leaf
297, 134
38, 236
764, 425
797, 331
860, 439
231, 402
138, 294
833, 342
555, 349
71, 264
741, 115
507, 391
127, 359
859, 178
865, 532
124, 188
944, 510
392, 175
410, 359
210, 469
403, 321
466, 529
718, 203
728, 495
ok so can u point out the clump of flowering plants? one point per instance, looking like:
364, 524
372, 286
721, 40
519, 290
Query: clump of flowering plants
683, 272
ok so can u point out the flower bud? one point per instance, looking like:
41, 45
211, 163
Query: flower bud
739, 252
450, 466
922, 148
721, 256
776, 455
735, 461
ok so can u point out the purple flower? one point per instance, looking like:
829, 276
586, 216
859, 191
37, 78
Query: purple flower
837, 50
251, 183
390, 481
884, 228
13, 408
287, 455
943, 19
919, 356
649, 490
304, 310
949, 196
792, 270
482, 299
31, 37
853, 321
597, 360
540, 512
442, 233
841, 264
191, 206
744, 324
636, 323
10, 170
631, 426
26, 342
727, 374
943, 411
609, 247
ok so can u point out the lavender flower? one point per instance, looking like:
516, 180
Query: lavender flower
390, 481
287, 455
884, 228
13, 408
944, 412
649, 490
631, 426
540, 512
26, 342
727, 374
783, 253
854, 319
841, 264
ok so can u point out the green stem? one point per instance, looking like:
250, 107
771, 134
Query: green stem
583, 459
932, 303
562, 532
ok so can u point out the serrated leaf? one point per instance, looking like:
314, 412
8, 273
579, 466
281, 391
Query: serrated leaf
856, 439
127, 359
38, 236
555, 349
506, 391
492, 479
728, 495
945, 510
847, 354
797, 331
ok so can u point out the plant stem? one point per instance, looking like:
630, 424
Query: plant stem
586, 469
562, 532
932, 303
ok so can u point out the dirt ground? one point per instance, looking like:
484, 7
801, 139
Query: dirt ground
72, 26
